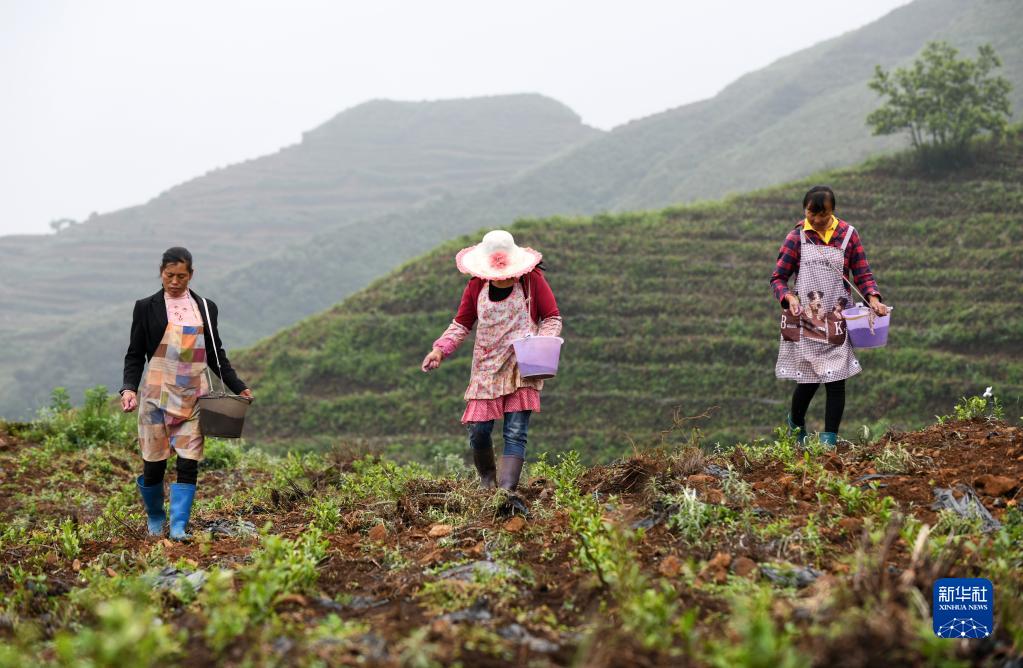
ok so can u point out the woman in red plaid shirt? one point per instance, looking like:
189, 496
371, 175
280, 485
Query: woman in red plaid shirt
824, 253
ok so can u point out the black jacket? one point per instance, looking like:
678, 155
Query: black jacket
148, 323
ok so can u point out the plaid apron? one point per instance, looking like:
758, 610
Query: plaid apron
814, 347
168, 411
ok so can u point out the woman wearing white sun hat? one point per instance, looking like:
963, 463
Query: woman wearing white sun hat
508, 298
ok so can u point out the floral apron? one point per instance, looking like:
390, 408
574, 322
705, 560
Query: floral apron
168, 411
821, 352
495, 373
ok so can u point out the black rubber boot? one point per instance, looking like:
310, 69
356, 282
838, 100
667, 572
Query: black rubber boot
511, 469
508, 480
483, 458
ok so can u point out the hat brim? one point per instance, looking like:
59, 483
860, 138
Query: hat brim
474, 261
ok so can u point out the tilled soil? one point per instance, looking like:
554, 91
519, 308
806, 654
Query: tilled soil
554, 602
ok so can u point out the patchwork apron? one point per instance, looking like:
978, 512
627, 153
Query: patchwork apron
814, 347
168, 411
495, 372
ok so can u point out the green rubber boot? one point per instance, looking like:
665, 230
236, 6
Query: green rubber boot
829, 439
797, 429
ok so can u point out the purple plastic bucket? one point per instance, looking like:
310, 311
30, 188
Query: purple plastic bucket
861, 334
538, 356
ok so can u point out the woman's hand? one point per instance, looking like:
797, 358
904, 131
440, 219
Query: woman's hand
433, 360
793, 302
129, 401
247, 393
879, 308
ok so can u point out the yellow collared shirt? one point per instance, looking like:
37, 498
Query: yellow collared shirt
830, 232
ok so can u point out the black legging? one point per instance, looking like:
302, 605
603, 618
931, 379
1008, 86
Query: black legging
188, 471
832, 411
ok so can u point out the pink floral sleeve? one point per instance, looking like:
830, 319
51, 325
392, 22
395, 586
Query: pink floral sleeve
452, 337
550, 326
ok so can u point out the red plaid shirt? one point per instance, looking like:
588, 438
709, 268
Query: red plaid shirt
855, 260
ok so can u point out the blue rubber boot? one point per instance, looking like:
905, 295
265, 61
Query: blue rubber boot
798, 430
181, 498
829, 439
152, 499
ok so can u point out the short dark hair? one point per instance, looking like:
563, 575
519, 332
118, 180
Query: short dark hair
817, 198
175, 255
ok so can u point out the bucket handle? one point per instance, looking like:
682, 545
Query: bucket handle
216, 355
865, 315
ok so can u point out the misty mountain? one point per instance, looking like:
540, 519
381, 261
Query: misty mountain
60, 293
274, 255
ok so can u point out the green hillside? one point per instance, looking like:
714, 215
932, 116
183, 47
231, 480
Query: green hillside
797, 116
289, 235
672, 309
56, 291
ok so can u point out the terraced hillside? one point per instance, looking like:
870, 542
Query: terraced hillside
672, 309
56, 291
288, 235
799, 115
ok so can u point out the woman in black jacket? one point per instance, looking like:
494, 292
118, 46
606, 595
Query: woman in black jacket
171, 331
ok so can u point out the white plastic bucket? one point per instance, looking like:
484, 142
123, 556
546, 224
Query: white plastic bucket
538, 356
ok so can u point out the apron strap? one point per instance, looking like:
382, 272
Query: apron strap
848, 236
525, 293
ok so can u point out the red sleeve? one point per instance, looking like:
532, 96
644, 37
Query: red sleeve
544, 305
856, 262
466, 316
787, 264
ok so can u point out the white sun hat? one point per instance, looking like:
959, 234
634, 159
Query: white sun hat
497, 258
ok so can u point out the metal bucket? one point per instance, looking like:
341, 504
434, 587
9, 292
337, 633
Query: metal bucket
222, 415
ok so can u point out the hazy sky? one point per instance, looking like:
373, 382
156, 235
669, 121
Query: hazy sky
107, 103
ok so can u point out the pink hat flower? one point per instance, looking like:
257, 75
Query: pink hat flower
497, 258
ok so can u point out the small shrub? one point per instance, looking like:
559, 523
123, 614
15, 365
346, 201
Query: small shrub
374, 478
125, 635
281, 566
64, 428
650, 614
122, 508
67, 539
757, 641
811, 540
691, 516
736, 490
952, 523
985, 406
220, 454
441, 596
853, 498
563, 474
326, 513
894, 459
783, 448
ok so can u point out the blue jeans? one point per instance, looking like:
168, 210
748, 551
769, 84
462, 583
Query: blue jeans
515, 427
